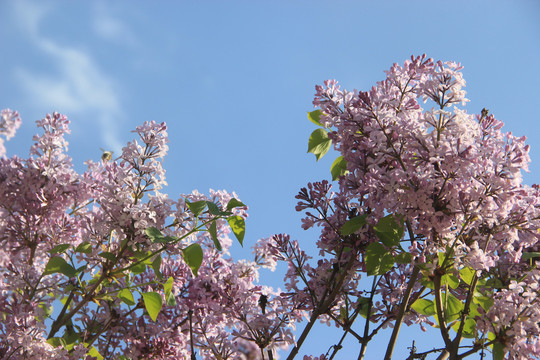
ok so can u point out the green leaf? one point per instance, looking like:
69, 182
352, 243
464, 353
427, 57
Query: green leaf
468, 328
343, 314
452, 307
484, 301
319, 143
212, 229
498, 351
403, 258
493, 282
80, 269
338, 168
165, 240
153, 303
168, 239
378, 259
353, 225
214, 209
196, 207
108, 255
363, 303
157, 237
94, 353
530, 255
234, 203
138, 269
168, 285
238, 227
193, 256
59, 265
156, 265
153, 233
440, 256
315, 117
389, 231
169, 296
450, 280
104, 297
71, 338
126, 296
56, 342
448, 255
473, 311
171, 299
84, 247
47, 310
59, 249
466, 275
426, 279
145, 256
424, 307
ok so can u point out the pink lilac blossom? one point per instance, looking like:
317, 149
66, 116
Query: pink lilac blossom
311, 357
455, 180
515, 317
99, 219
9, 123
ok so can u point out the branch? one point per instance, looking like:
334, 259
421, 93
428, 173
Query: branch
404, 303
401, 313
322, 308
440, 312
468, 302
61, 320
368, 315
346, 328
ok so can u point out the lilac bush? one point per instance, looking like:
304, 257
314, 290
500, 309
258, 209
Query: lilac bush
428, 225
431, 207
85, 272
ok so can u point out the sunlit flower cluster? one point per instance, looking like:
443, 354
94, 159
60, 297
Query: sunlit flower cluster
452, 179
72, 242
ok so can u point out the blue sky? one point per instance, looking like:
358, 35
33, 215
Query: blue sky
234, 80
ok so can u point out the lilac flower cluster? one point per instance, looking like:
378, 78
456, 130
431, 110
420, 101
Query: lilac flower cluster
76, 261
430, 224
453, 180
9, 123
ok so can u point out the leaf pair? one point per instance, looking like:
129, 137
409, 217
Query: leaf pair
153, 301
379, 258
238, 227
198, 207
319, 144
57, 264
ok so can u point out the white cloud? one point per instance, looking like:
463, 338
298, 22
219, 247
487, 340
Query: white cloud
29, 15
110, 28
76, 84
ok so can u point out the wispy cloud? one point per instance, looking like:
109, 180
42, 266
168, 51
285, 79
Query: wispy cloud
76, 84
111, 28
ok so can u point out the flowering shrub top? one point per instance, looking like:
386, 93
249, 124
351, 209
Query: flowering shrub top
432, 205
85, 272
430, 224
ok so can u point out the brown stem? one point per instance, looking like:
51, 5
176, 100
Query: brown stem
321, 309
440, 312
61, 320
368, 315
468, 302
346, 327
401, 313
404, 302
444, 355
